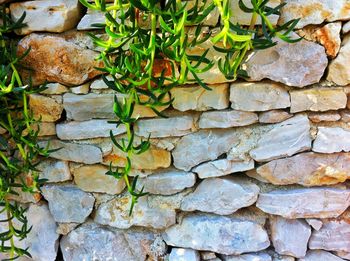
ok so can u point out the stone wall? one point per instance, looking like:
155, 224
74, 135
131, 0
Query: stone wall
247, 171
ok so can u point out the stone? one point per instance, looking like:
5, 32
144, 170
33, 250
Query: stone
45, 15
345, 116
219, 234
99, 83
307, 169
55, 59
165, 127
298, 64
338, 69
91, 17
222, 167
98, 106
314, 12
331, 139
214, 195
66, 228
68, 203
206, 255
344, 255
334, 235
202, 146
2, 131
274, 116
115, 213
305, 202
82, 89
184, 254
346, 27
167, 182
54, 170
290, 237
92, 129
91, 241
45, 108
248, 257
54, 88
285, 139
93, 178
45, 128
199, 99
226, 119
318, 255
153, 158
83, 153
322, 117
260, 96
320, 99
168, 201
314, 223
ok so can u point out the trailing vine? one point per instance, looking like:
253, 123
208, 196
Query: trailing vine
18, 143
144, 35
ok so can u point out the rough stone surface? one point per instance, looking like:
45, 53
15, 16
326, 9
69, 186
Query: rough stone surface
184, 254
290, 237
314, 12
90, 18
167, 182
202, 146
222, 167
93, 178
285, 139
323, 99
45, 15
307, 169
55, 88
92, 129
55, 59
322, 117
318, 255
305, 203
226, 119
115, 213
274, 116
81, 89
331, 139
248, 257
346, 27
165, 127
338, 69
314, 223
66, 228
219, 234
298, 65
199, 99
261, 96
45, 108
82, 153
214, 195
68, 203
54, 170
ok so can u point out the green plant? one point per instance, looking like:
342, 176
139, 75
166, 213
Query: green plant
143, 33
18, 143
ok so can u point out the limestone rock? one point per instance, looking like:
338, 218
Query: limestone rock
82, 153
307, 169
45, 108
345, 116
314, 223
314, 12
248, 257
168, 201
318, 255
329, 140
167, 182
322, 117
261, 96
338, 69
346, 27
324, 99
298, 64
184, 254
201, 146
55, 88
290, 237
68, 203
344, 255
45, 15
165, 127
92, 129
115, 213
226, 119
90, 18
55, 59
54, 170
222, 167
305, 203
199, 99
334, 235
45, 128
214, 195
219, 234
94, 242
285, 139
98, 106
274, 116
66, 228
81, 89
93, 178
